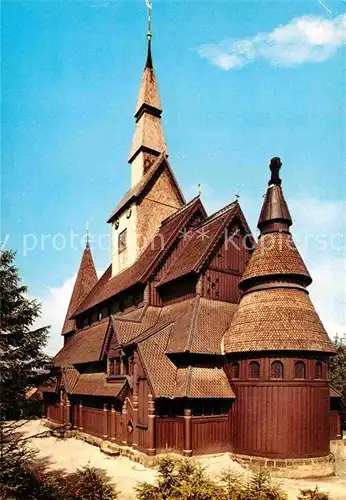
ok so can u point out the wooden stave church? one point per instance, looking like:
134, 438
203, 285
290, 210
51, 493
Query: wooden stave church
191, 341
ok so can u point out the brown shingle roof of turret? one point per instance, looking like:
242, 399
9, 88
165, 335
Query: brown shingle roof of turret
274, 320
275, 254
85, 281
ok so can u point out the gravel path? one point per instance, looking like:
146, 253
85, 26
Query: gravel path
70, 454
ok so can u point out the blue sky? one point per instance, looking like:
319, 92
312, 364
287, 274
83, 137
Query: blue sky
240, 82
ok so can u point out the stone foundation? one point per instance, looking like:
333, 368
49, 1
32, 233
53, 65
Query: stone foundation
290, 468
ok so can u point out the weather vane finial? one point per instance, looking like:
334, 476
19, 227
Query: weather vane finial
150, 6
87, 233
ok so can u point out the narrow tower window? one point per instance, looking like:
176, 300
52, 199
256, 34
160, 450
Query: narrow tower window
235, 370
277, 370
254, 369
318, 370
122, 241
299, 370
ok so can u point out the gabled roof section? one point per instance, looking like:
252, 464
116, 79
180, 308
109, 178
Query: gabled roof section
138, 191
202, 382
147, 261
95, 384
85, 281
85, 346
129, 326
70, 375
202, 241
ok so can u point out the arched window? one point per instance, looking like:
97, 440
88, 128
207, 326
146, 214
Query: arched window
299, 370
254, 369
277, 370
235, 370
318, 370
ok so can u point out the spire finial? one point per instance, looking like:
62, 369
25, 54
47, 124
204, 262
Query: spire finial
87, 234
149, 62
275, 165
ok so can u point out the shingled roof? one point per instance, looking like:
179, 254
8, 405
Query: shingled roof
147, 260
276, 312
140, 189
95, 384
275, 320
178, 382
85, 281
85, 346
275, 255
201, 241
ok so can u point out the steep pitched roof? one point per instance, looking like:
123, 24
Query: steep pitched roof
140, 189
202, 382
129, 326
95, 384
201, 242
85, 281
85, 346
275, 255
274, 320
275, 312
147, 260
194, 381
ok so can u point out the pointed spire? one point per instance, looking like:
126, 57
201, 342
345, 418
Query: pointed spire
85, 281
275, 312
148, 137
274, 214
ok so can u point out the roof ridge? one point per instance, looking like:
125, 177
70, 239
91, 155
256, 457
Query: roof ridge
193, 323
180, 210
220, 212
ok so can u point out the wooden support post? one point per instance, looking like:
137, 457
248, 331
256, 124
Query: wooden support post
124, 428
113, 423
81, 416
135, 401
68, 413
62, 409
187, 433
151, 426
105, 421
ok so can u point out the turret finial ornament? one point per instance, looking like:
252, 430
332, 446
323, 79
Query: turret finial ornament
275, 165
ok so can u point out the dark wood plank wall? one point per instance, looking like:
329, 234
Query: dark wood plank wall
223, 272
169, 434
210, 434
93, 421
335, 425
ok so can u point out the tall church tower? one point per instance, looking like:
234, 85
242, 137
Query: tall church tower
154, 194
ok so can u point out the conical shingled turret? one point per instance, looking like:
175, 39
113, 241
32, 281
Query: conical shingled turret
276, 312
85, 281
148, 137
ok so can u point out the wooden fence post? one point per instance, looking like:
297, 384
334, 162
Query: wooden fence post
123, 421
187, 433
62, 409
135, 401
105, 421
68, 413
81, 416
151, 426
113, 423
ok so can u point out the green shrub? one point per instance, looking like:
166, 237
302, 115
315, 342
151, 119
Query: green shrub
180, 479
313, 495
261, 487
90, 483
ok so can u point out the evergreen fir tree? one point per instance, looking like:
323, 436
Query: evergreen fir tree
23, 361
